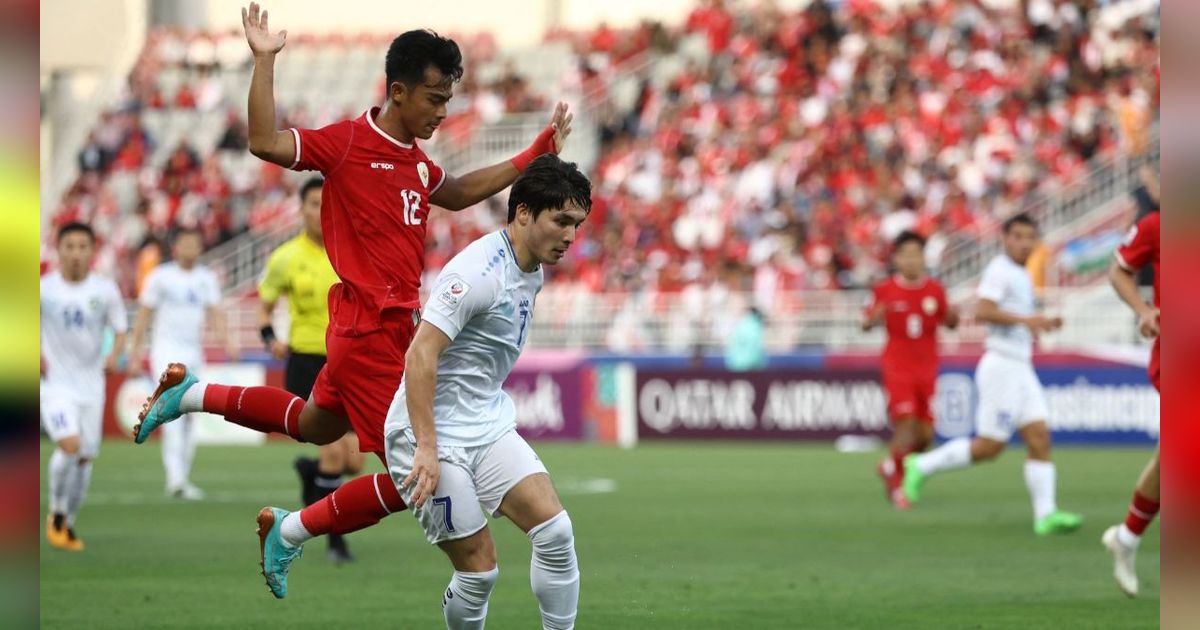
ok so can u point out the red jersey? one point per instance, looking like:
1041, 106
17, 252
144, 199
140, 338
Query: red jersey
374, 207
912, 317
1140, 248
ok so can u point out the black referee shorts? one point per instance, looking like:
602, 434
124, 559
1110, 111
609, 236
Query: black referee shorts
301, 372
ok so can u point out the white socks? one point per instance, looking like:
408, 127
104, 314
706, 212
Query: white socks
292, 531
554, 572
952, 455
193, 399
178, 451
82, 480
465, 602
1040, 478
1127, 537
61, 477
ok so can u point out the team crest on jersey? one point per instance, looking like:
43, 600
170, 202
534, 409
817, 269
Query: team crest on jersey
929, 304
423, 172
452, 296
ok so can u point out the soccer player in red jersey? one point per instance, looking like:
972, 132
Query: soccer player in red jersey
910, 305
379, 186
1139, 249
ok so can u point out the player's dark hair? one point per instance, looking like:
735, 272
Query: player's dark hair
908, 236
313, 183
1022, 218
548, 183
184, 231
76, 226
412, 52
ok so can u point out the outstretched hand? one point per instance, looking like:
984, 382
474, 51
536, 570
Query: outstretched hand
258, 35
561, 121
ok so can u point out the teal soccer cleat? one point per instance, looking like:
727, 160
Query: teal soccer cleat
276, 556
163, 405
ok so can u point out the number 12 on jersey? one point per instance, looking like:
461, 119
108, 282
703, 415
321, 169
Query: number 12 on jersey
412, 205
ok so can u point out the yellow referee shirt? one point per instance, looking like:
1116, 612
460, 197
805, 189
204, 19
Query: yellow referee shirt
300, 271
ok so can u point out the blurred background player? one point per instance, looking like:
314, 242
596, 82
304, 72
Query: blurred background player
910, 305
300, 271
1010, 394
77, 307
379, 187
180, 295
1139, 249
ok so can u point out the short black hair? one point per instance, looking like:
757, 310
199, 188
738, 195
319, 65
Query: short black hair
1021, 218
547, 183
76, 226
183, 231
412, 52
908, 236
312, 184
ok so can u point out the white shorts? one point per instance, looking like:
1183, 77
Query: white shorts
1010, 396
470, 477
64, 415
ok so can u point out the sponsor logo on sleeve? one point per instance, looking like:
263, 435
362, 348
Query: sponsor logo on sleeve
453, 293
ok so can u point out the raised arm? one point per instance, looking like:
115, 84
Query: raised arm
457, 193
266, 141
420, 381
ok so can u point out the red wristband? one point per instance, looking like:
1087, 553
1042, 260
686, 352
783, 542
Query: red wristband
542, 144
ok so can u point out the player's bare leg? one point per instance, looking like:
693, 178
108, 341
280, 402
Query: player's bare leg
1122, 540
63, 476
465, 602
534, 506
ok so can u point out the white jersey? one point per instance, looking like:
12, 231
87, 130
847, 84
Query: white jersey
74, 316
179, 299
1009, 285
484, 303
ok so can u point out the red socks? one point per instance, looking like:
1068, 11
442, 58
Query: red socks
1141, 512
357, 504
264, 409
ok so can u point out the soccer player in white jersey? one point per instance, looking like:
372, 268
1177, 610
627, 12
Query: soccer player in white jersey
179, 295
1010, 394
450, 436
76, 308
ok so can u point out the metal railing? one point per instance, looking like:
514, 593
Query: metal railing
239, 262
570, 317
1109, 179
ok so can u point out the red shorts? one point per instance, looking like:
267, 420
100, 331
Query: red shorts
909, 398
362, 374
1154, 369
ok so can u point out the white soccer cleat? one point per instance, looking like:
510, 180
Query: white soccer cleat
187, 492
1124, 558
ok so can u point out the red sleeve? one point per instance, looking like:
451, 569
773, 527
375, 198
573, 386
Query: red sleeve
437, 177
1140, 244
875, 298
939, 293
322, 149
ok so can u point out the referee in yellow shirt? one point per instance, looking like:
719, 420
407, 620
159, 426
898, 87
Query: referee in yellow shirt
300, 271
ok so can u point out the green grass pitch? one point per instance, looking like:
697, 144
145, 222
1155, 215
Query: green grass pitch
682, 536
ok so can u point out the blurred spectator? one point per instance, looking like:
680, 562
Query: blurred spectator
746, 349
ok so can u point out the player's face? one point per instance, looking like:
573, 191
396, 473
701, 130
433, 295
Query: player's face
910, 260
187, 249
551, 234
423, 106
1019, 241
310, 210
75, 251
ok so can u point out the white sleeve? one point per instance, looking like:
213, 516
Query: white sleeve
992, 284
118, 319
212, 293
151, 295
454, 300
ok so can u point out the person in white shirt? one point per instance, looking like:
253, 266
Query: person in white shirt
450, 436
77, 307
179, 295
1010, 394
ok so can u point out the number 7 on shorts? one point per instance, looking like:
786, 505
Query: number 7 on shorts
446, 505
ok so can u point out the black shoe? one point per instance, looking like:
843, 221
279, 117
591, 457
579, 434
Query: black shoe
339, 550
306, 468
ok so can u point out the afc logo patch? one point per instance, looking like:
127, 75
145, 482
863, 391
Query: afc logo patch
453, 294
